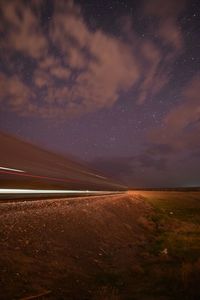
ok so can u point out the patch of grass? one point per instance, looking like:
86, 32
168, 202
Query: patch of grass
177, 220
177, 231
184, 247
106, 293
110, 279
158, 245
179, 205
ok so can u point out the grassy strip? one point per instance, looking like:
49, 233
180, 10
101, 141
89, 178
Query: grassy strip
176, 247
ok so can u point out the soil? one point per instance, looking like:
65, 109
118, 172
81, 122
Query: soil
82, 248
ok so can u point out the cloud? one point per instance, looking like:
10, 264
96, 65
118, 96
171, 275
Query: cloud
74, 70
132, 169
181, 125
106, 66
159, 150
60, 72
15, 91
170, 156
167, 27
155, 77
160, 167
150, 161
115, 166
169, 44
42, 79
91, 71
22, 29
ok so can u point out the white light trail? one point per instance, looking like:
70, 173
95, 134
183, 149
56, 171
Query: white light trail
11, 169
93, 174
32, 191
100, 176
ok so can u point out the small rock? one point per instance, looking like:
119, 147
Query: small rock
165, 251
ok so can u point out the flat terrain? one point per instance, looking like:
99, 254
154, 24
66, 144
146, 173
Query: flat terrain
139, 245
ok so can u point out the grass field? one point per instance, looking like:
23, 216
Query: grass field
175, 268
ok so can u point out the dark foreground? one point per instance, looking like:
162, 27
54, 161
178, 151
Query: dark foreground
140, 245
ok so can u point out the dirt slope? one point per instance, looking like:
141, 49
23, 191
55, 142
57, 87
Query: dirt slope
89, 248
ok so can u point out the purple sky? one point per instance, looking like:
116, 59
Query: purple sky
114, 83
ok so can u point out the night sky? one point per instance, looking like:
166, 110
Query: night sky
114, 83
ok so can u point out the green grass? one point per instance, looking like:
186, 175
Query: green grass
112, 279
177, 218
184, 206
177, 222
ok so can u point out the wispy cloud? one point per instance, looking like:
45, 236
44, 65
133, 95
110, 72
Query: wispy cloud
182, 123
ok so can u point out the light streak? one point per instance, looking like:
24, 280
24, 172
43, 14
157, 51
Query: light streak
36, 176
96, 175
11, 169
23, 173
33, 191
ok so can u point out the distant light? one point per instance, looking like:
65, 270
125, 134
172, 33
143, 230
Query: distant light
11, 169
